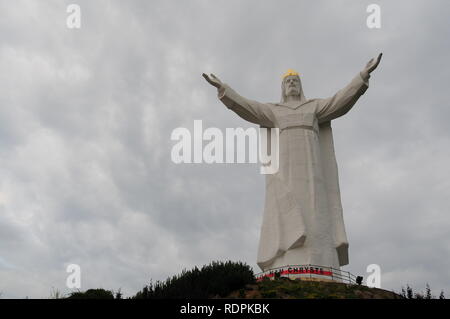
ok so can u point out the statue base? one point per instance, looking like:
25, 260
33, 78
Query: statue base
309, 273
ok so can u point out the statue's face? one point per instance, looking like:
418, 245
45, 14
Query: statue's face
292, 85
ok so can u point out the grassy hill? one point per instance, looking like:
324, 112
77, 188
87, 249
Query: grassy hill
284, 288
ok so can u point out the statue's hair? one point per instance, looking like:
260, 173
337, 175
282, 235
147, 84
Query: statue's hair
283, 94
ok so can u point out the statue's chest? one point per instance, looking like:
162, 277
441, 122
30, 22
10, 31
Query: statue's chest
298, 118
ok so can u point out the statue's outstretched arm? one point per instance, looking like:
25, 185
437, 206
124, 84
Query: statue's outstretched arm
344, 99
249, 110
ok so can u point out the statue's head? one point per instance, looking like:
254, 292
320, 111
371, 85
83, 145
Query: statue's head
291, 86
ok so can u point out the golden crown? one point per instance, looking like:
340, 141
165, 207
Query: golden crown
289, 73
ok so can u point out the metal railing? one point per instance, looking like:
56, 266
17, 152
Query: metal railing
308, 272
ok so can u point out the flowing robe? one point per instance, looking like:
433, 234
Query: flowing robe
303, 221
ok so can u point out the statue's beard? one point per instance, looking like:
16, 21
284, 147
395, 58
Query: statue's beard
292, 90
293, 93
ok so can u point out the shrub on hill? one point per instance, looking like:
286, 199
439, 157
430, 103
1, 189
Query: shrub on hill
215, 279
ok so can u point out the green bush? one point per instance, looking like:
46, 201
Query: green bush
215, 279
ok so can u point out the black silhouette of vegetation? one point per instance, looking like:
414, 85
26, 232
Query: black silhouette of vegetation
94, 294
216, 279
410, 294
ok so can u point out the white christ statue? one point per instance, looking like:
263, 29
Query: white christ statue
303, 222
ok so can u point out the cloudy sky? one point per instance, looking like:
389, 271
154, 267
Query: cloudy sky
86, 117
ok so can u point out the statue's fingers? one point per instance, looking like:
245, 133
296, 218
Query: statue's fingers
208, 79
377, 61
379, 57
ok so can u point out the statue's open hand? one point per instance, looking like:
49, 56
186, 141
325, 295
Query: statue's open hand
213, 80
373, 63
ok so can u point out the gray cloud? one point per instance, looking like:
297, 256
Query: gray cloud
86, 117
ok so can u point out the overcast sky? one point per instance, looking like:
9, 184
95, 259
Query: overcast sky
86, 116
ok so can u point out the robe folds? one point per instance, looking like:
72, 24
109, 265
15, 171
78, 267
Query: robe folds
303, 220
